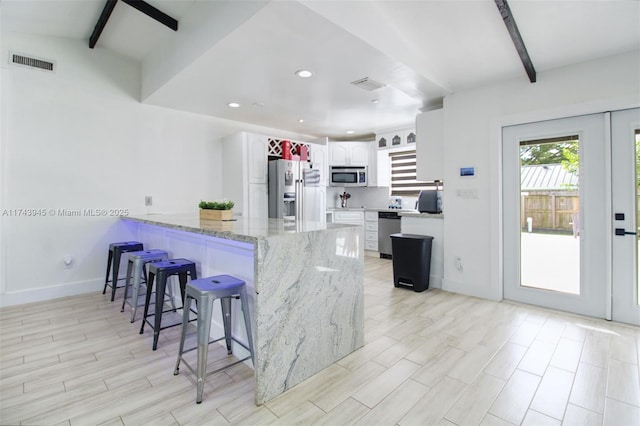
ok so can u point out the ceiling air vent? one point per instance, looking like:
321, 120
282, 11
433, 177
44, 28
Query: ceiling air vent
31, 62
367, 84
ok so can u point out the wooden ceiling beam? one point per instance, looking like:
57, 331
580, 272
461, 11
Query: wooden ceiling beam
512, 28
140, 5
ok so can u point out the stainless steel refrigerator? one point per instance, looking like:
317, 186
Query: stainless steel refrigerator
294, 191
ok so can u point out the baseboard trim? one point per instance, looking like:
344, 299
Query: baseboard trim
31, 295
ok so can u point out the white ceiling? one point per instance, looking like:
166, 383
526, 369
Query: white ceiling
421, 51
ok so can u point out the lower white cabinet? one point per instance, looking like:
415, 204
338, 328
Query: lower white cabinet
371, 230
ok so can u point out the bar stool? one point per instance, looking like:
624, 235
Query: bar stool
163, 270
137, 265
115, 253
205, 291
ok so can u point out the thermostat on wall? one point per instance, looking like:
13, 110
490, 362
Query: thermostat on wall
467, 171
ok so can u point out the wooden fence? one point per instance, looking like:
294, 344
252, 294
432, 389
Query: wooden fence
549, 210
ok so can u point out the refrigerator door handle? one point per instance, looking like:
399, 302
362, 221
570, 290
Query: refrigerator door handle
301, 197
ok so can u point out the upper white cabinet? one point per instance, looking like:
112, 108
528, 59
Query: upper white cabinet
257, 153
318, 155
349, 153
429, 145
245, 173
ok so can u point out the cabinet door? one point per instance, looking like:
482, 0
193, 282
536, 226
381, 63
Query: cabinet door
257, 153
319, 160
338, 154
258, 201
359, 153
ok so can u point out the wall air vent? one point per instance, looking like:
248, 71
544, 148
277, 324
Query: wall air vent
367, 84
31, 62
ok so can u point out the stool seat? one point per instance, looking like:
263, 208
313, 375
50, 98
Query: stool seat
136, 268
205, 291
115, 253
163, 270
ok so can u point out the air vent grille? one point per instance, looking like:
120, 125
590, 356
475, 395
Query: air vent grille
32, 62
367, 84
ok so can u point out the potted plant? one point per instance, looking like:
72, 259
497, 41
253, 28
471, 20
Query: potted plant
216, 210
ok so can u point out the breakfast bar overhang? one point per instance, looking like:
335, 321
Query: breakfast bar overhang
304, 279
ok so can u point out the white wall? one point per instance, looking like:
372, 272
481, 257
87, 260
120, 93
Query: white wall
472, 132
79, 139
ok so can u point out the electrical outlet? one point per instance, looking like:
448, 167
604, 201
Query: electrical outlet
458, 261
68, 262
148, 200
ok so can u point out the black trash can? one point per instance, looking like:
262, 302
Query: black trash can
411, 260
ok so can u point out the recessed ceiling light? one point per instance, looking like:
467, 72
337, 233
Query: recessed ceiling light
304, 73
350, 132
374, 101
258, 104
234, 104
301, 121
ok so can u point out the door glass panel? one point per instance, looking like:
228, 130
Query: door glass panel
550, 214
637, 214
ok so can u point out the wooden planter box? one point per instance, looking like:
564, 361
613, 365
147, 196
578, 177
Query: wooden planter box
207, 214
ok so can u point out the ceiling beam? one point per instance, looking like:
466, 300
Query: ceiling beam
102, 21
140, 5
510, 22
154, 13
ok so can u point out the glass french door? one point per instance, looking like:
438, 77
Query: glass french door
625, 184
556, 214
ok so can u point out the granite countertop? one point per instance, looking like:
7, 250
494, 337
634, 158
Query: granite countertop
415, 213
240, 228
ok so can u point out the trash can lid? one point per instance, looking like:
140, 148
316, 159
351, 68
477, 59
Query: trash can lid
412, 236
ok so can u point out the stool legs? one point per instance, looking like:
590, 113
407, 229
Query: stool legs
225, 303
205, 310
244, 303
126, 286
106, 279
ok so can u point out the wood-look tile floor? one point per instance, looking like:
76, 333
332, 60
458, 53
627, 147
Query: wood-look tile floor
431, 358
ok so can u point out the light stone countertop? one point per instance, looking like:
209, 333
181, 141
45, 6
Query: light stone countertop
415, 213
243, 229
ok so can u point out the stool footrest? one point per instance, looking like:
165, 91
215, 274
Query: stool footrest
217, 370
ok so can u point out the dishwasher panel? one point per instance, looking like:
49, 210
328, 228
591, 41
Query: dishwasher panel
388, 223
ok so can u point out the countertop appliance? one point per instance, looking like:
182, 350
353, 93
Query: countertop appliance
294, 191
348, 176
429, 202
388, 223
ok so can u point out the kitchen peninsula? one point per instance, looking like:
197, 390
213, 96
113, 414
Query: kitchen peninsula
304, 280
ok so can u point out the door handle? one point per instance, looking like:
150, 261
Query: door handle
622, 231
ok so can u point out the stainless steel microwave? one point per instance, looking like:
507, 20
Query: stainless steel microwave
348, 175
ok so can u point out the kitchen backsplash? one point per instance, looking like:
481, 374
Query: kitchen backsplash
369, 197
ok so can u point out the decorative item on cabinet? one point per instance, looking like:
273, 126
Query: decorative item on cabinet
396, 140
275, 148
382, 143
286, 150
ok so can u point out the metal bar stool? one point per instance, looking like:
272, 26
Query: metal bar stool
163, 270
115, 253
205, 291
136, 268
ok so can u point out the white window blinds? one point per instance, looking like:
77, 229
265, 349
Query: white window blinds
403, 175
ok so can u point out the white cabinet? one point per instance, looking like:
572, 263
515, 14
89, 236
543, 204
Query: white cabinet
353, 217
371, 230
429, 145
258, 200
349, 153
257, 154
245, 173
319, 159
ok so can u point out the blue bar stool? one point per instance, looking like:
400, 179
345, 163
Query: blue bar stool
163, 270
205, 291
115, 254
136, 268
